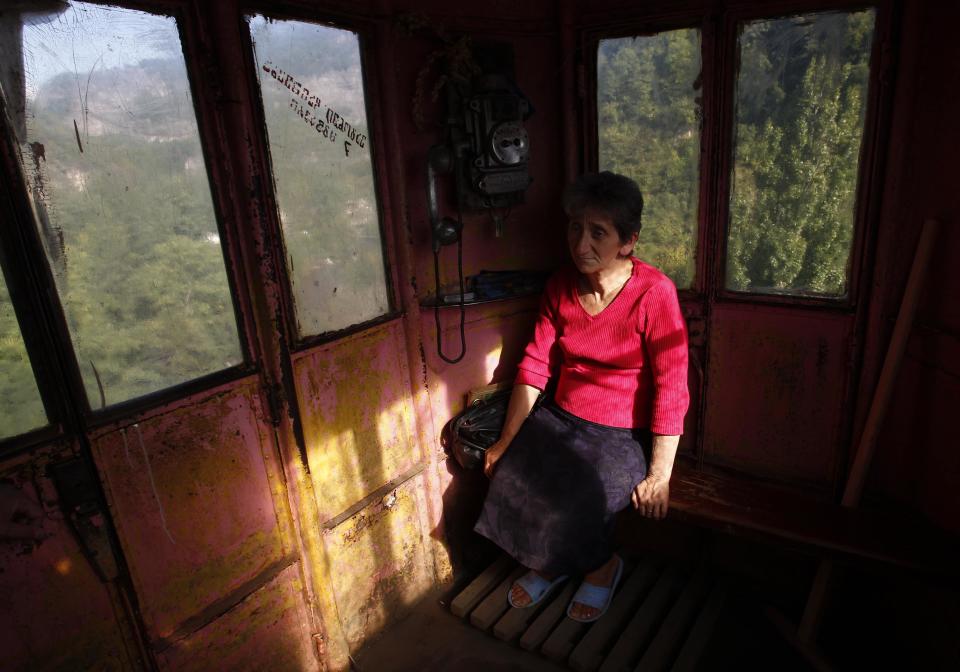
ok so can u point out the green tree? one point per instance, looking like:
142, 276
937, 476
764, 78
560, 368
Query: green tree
800, 109
649, 129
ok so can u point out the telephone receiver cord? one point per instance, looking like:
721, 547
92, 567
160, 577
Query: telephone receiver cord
436, 306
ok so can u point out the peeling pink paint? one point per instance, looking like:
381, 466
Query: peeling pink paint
48, 586
192, 504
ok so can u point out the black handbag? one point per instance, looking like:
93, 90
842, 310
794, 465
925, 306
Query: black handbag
470, 433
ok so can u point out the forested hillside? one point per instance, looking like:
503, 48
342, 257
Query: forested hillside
119, 182
800, 101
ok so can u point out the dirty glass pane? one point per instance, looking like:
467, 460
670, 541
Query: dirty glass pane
800, 101
20, 407
648, 124
312, 89
100, 99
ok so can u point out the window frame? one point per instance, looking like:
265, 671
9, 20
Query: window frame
64, 390
363, 28
20, 276
719, 57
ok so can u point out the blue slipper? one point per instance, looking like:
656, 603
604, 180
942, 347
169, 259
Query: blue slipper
536, 586
598, 597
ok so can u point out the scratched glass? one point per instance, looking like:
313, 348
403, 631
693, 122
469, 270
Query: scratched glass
102, 107
648, 126
311, 85
800, 105
20, 407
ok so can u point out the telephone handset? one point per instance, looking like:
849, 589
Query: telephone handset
444, 230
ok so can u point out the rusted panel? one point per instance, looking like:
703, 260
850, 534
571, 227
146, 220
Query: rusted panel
357, 412
378, 562
192, 503
56, 614
269, 630
774, 391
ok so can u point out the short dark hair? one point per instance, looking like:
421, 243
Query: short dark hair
615, 195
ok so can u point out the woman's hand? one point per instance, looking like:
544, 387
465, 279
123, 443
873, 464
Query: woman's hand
651, 497
492, 455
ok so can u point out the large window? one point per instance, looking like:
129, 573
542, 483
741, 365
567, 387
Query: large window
103, 110
311, 84
800, 94
648, 114
800, 104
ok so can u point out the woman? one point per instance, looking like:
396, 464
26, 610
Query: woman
611, 342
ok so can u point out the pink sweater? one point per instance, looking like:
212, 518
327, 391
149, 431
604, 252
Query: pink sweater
626, 366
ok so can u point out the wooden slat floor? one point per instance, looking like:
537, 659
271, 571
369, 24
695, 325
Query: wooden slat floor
661, 618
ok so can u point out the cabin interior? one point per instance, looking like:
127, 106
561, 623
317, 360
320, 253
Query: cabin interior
225, 383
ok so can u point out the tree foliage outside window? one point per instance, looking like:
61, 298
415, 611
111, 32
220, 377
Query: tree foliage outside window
648, 119
20, 407
801, 98
122, 200
311, 85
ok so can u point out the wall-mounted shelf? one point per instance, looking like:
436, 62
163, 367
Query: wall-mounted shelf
431, 301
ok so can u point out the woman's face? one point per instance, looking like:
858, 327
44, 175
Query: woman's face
594, 242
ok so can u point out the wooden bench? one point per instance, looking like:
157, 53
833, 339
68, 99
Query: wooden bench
738, 505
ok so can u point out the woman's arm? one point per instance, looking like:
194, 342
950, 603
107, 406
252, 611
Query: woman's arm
522, 400
651, 497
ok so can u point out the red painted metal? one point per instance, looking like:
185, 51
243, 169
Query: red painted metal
204, 460
49, 585
775, 386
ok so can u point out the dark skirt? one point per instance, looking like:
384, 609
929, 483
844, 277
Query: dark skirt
557, 488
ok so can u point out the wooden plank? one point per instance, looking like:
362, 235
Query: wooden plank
768, 510
588, 654
563, 638
540, 629
566, 635
660, 654
644, 623
702, 630
493, 605
515, 621
480, 587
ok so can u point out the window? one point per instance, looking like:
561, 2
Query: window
20, 407
799, 109
800, 106
311, 85
113, 161
648, 120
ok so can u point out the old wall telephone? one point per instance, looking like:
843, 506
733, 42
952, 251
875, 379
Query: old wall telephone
487, 150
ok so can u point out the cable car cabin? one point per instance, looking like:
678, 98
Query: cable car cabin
256, 255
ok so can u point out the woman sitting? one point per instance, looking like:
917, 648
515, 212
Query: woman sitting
611, 337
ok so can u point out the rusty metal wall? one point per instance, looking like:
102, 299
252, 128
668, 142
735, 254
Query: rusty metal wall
917, 464
57, 613
776, 379
194, 503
